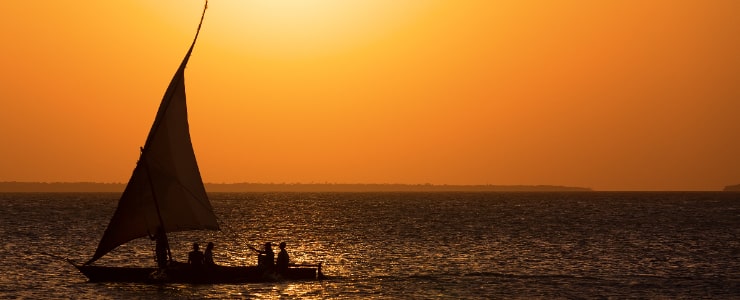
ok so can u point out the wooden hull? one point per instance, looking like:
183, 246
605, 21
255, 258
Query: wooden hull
183, 273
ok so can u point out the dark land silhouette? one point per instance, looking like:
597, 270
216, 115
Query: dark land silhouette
69, 187
60, 187
732, 188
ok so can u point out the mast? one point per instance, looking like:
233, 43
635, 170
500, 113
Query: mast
162, 230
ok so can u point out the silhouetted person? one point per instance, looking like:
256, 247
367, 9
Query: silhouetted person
160, 250
283, 260
195, 257
208, 259
266, 258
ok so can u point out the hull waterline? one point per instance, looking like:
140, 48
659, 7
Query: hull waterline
183, 273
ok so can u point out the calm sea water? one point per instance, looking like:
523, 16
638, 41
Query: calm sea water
405, 245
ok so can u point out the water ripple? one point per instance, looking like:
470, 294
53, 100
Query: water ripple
410, 245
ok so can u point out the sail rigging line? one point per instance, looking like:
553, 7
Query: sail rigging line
222, 223
58, 257
179, 184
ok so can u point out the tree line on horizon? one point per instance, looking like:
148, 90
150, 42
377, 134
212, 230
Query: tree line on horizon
14, 186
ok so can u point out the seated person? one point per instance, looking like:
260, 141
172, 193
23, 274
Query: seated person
195, 257
266, 258
283, 260
208, 259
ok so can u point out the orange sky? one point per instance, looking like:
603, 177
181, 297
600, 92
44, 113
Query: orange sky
613, 95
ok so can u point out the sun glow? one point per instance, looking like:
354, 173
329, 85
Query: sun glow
302, 27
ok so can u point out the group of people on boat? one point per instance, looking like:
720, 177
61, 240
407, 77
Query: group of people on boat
203, 260
266, 258
198, 259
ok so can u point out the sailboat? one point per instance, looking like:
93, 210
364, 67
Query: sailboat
166, 194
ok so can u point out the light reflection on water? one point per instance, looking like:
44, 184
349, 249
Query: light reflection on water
416, 245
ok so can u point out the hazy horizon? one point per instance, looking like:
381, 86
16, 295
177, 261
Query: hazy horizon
610, 95
6, 186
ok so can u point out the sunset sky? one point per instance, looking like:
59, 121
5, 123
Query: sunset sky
612, 95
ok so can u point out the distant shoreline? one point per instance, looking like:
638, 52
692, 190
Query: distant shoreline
732, 188
70, 187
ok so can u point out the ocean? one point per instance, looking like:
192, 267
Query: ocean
569, 245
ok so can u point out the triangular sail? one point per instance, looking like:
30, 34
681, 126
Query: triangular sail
166, 186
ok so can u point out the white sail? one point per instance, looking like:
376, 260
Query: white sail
165, 188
